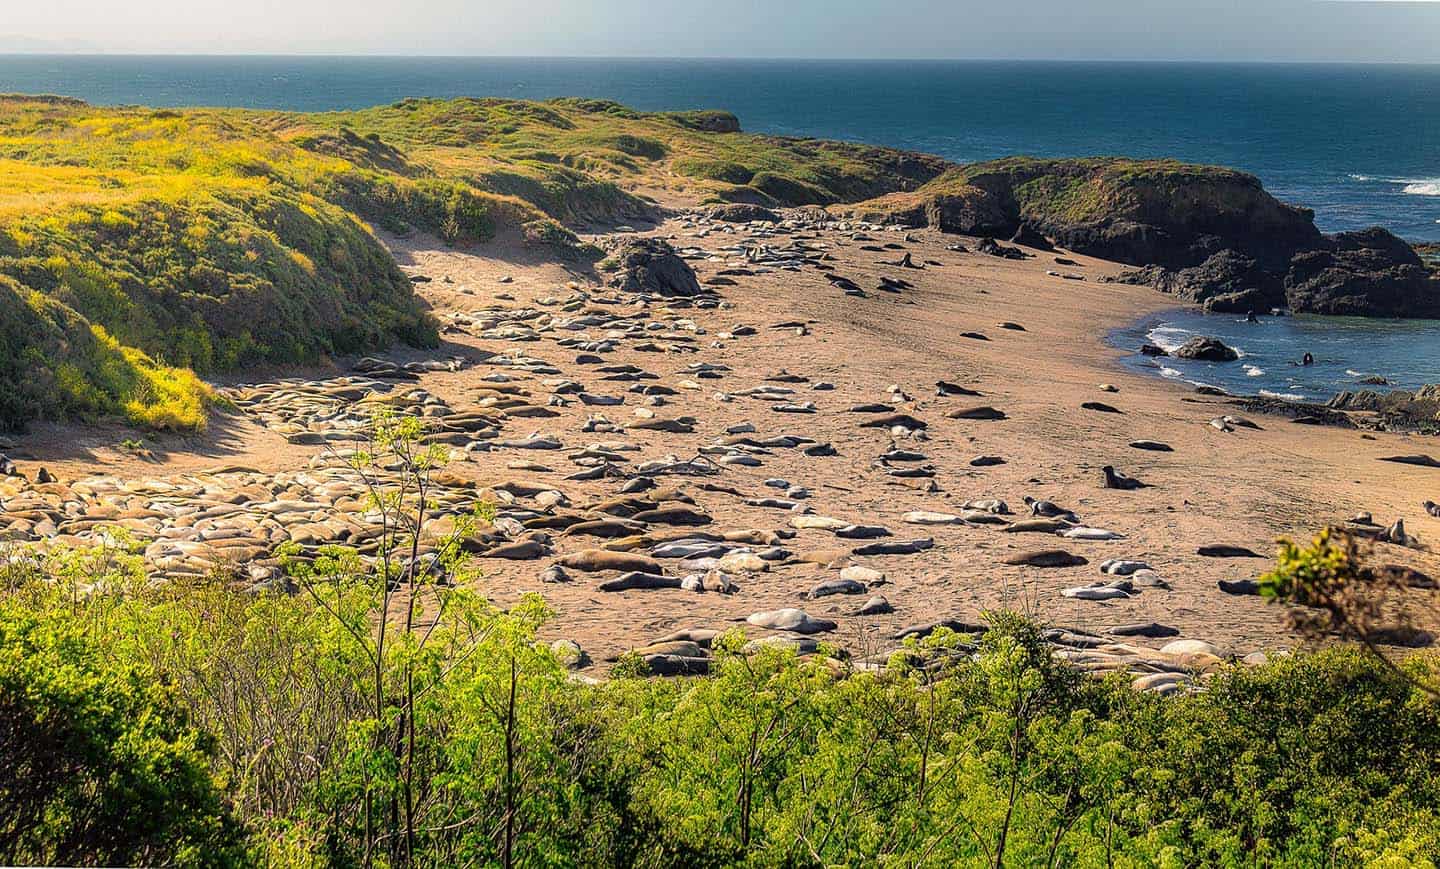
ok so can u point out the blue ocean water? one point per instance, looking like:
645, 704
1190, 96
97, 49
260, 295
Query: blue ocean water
1346, 350
1358, 143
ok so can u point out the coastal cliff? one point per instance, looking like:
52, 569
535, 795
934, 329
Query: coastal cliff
1209, 235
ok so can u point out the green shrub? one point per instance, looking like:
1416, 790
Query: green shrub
98, 764
714, 170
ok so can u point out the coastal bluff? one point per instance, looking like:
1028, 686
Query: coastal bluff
1206, 234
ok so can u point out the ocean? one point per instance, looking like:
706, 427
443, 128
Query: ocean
1346, 350
1360, 144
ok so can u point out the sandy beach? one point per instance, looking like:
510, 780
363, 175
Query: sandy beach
1246, 487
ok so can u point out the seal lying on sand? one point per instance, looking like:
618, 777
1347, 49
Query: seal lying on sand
1049, 509
1116, 480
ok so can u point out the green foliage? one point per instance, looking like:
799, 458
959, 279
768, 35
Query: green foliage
193, 238
1003, 757
98, 763
216, 239
714, 170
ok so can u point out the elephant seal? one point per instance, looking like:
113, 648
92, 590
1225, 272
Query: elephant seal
983, 412
1049, 509
593, 560
1047, 558
1116, 480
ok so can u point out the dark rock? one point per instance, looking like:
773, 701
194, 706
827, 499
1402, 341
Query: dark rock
1028, 237
1242, 302
742, 212
1206, 348
650, 265
1153, 350
1369, 273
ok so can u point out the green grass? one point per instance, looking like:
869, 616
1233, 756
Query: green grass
165, 242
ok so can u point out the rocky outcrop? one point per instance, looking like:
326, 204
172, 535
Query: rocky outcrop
1206, 234
1398, 410
1423, 403
1369, 273
742, 212
650, 265
1029, 237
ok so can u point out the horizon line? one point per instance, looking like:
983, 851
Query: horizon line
345, 55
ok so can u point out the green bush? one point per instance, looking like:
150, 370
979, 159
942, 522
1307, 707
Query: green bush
714, 170
99, 764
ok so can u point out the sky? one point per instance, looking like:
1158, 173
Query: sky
1232, 30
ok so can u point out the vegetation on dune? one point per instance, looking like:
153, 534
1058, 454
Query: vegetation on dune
1000, 759
140, 245
579, 160
380, 713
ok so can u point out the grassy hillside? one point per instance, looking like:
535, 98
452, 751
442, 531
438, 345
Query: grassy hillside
578, 160
138, 246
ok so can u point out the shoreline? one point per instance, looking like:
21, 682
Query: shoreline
1336, 342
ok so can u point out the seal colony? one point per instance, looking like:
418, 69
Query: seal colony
763, 424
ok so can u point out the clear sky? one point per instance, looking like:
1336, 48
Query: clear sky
1347, 30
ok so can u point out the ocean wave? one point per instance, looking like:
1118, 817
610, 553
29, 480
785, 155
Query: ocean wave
1287, 396
1166, 371
1168, 337
1353, 373
1411, 186
1254, 371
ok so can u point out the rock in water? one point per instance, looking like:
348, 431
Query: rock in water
650, 265
1207, 349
